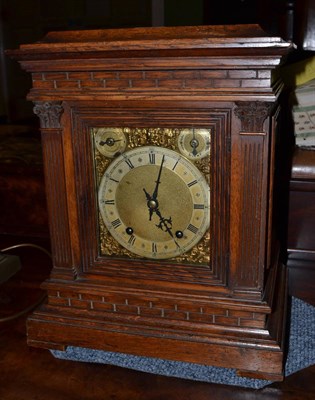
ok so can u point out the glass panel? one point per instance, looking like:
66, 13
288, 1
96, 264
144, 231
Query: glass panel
153, 191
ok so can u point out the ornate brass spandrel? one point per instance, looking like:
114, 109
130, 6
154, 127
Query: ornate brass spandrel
165, 137
199, 254
204, 166
101, 163
108, 245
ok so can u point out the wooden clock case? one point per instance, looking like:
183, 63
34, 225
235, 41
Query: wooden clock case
229, 313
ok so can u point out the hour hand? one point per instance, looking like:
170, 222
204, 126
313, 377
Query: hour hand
166, 226
150, 204
147, 195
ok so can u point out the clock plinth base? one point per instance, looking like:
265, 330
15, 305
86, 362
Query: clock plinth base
256, 352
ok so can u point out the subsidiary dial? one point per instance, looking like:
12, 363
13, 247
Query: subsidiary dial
194, 143
110, 142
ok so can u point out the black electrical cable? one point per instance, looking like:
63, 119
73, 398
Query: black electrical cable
41, 299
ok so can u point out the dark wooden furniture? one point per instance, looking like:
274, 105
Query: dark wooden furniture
301, 223
304, 24
302, 203
228, 311
22, 188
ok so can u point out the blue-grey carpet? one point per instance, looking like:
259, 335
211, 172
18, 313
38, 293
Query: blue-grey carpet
301, 354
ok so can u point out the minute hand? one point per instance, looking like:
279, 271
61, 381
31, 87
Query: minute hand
155, 193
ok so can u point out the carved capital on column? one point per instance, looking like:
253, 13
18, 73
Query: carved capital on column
49, 113
252, 115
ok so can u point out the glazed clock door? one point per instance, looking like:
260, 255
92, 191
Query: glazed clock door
154, 196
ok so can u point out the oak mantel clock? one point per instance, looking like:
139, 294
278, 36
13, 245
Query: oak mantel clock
159, 148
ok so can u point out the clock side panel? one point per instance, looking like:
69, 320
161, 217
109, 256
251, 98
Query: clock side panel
50, 114
251, 192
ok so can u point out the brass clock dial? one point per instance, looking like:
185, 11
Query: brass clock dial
194, 143
154, 202
110, 142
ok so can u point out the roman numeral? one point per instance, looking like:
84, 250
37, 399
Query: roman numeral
129, 163
192, 228
116, 223
114, 180
152, 158
199, 206
110, 202
132, 240
175, 165
192, 183
154, 248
